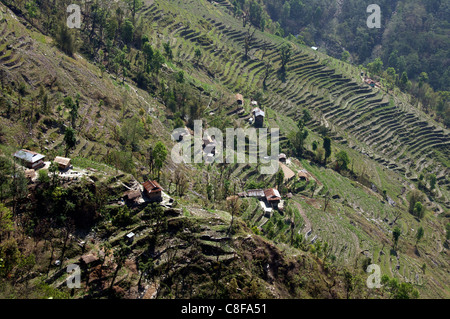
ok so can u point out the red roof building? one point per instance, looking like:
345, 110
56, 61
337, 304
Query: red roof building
273, 197
153, 190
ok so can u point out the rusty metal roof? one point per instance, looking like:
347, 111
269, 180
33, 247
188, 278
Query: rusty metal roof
152, 187
62, 160
272, 194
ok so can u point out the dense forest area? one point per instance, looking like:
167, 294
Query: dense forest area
412, 46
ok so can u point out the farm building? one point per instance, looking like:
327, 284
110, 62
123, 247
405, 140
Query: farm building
30, 159
259, 116
259, 193
273, 197
132, 196
239, 99
303, 175
88, 260
288, 173
211, 143
153, 191
63, 162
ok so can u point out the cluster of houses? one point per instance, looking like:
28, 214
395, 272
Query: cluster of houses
270, 197
34, 161
148, 192
258, 114
372, 83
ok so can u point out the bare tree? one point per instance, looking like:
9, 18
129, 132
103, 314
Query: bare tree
234, 205
249, 37
327, 200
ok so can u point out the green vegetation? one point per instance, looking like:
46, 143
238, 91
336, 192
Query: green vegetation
368, 163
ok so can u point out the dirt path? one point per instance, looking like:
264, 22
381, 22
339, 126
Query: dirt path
305, 218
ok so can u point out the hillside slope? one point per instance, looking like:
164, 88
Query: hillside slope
348, 217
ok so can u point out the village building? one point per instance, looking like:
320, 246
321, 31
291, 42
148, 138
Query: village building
258, 193
30, 159
63, 162
303, 175
88, 260
239, 99
132, 196
288, 173
273, 197
209, 141
153, 191
183, 134
259, 116
130, 238
282, 158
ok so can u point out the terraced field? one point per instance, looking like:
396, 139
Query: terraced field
390, 131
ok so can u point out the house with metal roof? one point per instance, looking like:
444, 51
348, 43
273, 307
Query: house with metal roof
30, 159
259, 116
63, 162
273, 197
153, 191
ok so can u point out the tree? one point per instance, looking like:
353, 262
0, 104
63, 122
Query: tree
144, 269
120, 254
159, 156
158, 220
267, 70
168, 51
419, 235
320, 153
342, 160
127, 31
234, 205
198, 55
313, 187
404, 81
415, 196
148, 55
133, 6
65, 40
376, 66
157, 62
279, 178
53, 169
285, 55
423, 78
432, 181
43, 176
419, 210
70, 139
396, 235
327, 147
6, 221
248, 41
68, 102
345, 55
326, 200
